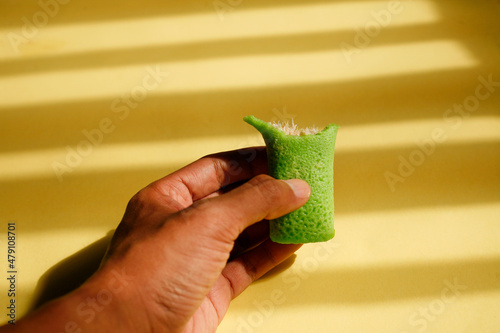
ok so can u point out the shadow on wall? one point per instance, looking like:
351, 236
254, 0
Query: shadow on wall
266, 45
383, 284
95, 10
165, 117
454, 175
70, 273
216, 114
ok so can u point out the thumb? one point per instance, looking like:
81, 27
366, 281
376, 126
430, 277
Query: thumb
262, 197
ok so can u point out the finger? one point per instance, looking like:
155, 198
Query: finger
250, 238
250, 266
225, 189
211, 173
263, 197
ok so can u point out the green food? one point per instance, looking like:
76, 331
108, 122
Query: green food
308, 157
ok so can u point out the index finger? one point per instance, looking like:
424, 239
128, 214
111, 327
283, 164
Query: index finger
212, 172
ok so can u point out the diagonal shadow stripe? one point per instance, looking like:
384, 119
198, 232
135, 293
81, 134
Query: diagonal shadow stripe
215, 113
212, 49
466, 174
386, 283
94, 10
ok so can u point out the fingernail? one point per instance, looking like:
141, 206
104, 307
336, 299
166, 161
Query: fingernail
299, 187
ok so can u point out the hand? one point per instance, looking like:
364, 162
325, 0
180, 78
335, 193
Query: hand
187, 246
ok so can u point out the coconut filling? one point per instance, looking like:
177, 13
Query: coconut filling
293, 129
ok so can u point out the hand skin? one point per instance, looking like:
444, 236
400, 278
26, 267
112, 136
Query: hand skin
184, 249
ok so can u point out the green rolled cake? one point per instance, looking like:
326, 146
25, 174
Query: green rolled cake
307, 155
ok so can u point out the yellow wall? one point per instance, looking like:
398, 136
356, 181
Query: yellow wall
157, 85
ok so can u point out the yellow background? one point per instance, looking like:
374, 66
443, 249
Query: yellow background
389, 73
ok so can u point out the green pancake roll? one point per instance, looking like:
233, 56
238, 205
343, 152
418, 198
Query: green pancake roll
308, 155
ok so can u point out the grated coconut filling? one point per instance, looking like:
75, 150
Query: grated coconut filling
293, 129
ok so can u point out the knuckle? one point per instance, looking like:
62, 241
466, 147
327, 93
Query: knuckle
140, 201
269, 254
269, 188
250, 268
137, 201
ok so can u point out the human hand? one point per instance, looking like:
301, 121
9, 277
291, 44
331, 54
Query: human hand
186, 229
170, 254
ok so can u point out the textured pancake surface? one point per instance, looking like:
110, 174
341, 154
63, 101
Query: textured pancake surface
310, 158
